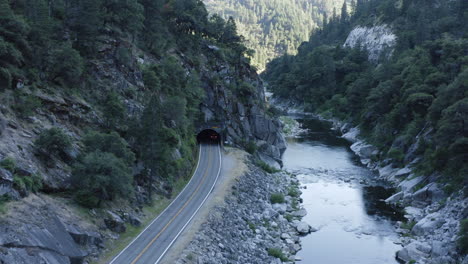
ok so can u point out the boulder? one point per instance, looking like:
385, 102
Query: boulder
352, 134
115, 223
394, 198
6, 185
428, 224
303, 228
430, 193
403, 172
280, 208
411, 182
300, 213
412, 251
84, 238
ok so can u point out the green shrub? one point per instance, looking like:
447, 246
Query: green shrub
463, 239
53, 141
408, 225
396, 154
293, 191
277, 253
266, 167
26, 105
251, 226
277, 198
5, 79
86, 199
8, 164
112, 143
101, 176
3, 200
250, 147
31, 183
113, 110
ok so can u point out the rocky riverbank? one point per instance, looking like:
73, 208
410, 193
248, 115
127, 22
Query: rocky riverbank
430, 234
259, 222
433, 216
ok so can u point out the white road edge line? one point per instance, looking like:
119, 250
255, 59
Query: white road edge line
203, 202
152, 222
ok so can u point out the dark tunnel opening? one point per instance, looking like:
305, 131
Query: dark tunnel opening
208, 136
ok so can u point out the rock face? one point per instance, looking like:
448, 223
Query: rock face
245, 118
247, 225
35, 233
377, 40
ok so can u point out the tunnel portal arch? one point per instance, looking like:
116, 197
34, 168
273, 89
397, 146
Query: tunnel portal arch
209, 136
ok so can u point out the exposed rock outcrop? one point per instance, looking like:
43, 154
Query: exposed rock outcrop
377, 40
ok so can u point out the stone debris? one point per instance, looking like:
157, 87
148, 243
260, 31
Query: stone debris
247, 225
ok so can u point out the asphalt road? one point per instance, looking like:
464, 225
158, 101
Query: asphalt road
154, 241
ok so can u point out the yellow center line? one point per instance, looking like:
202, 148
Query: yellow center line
177, 214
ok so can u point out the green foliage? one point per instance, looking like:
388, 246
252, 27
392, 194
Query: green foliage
250, 147
293, 191
271, 27
277, 253
266, 167
66, 65
4, 199
31, 183
277, 198
8, 163
417, 94
53, 141
101, 176
103, 169
463, 237
26, 104
108, 143
113, 110
408, 225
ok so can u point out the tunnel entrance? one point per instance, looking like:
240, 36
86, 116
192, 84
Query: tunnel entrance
208, 136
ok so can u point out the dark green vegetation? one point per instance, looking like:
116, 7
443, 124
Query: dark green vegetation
92, 50
274, 27
277, 253
23, 181
463, 240
414, 103
277, 198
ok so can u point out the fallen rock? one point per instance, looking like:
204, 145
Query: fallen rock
115, 223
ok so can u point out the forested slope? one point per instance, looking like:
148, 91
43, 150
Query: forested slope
100, 101
274, 27
411, 102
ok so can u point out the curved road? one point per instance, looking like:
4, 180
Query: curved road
153, 242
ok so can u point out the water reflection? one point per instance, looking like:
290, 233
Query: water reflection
354, 223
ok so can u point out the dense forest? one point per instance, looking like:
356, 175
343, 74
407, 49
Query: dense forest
55, 48
274, 27
411, 104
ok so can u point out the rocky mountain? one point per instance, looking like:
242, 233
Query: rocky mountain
99, 91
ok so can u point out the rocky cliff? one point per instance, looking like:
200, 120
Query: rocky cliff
378, 40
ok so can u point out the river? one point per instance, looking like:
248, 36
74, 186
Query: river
343, 199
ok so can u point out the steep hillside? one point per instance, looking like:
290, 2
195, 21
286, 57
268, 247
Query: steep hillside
399, 73
100, 104
273, 28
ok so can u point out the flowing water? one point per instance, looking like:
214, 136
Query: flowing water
343, 200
